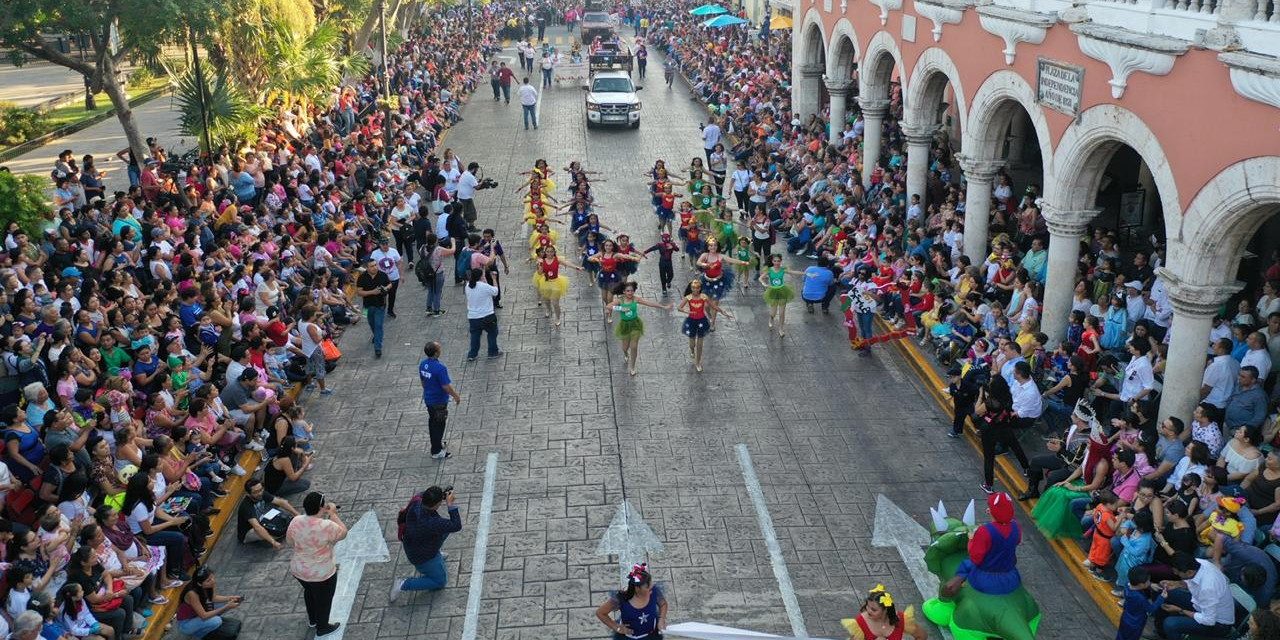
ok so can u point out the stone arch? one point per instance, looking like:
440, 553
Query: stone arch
878, 62
810, 47
1225, 214
993, 108
808, 63
1088, 145
933, 70
844, 53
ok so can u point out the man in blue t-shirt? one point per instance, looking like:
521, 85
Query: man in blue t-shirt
818, 286
437, 388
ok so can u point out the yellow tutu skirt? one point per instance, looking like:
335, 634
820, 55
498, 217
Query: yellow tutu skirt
551, 289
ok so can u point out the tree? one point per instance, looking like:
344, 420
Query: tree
115, 29
231, 115
23, 200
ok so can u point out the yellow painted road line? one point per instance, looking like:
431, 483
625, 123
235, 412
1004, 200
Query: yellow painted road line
1068, 551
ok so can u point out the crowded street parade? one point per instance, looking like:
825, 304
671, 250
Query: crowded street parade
764, 319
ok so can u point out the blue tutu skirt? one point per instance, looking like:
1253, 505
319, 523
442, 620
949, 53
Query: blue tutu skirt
718, 287
665, 214
695, 248
608, 279
698, 328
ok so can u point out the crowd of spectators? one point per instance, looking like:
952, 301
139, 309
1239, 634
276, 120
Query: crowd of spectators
1206, 484
151, 336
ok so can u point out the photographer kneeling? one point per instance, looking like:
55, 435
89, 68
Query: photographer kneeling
423, 534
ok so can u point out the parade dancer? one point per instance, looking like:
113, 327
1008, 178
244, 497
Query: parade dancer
666, 271
696, 326
549, 283
641, 608
777, 293
665, 207
691, 233
630, 327
716, 280
627, 249
879, 619
609, 262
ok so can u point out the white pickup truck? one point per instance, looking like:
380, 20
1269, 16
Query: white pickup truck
611, 100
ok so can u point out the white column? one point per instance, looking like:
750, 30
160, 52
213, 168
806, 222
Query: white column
873, 113
1193, 308
839, 92
1065, 230
805, 94
919, 141
978, 175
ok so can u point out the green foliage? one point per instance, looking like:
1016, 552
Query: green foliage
17, 124
231, 114
305, 68
22, 199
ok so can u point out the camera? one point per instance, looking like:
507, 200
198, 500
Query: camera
448, 489
487, 183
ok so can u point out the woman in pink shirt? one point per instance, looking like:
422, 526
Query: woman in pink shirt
313, 537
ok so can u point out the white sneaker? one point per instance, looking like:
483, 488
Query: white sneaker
254, 445
214, 477
238, 470
444, 453
396, 590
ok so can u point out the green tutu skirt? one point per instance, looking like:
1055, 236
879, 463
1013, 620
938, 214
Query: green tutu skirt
629, 329
1053, 513
779, 295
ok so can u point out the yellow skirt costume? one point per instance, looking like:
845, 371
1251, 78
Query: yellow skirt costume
551, 289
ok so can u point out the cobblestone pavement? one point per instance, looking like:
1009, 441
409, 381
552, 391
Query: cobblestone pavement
827, 431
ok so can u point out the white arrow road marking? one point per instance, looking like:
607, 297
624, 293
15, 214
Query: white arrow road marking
771, 541
894, 528
472, 619
364, 544
629, 538
703, 631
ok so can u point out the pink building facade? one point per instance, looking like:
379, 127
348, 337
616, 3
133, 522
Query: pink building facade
1191, 86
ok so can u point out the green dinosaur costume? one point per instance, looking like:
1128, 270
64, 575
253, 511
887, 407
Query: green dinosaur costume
971, 614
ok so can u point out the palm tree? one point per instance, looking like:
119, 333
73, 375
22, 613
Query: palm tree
304, 68
232, 116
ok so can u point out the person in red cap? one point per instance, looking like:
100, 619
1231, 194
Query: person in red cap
992, 567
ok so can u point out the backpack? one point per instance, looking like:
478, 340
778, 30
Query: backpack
423, 269
402, 518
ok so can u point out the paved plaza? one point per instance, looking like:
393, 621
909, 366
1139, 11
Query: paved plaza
825, 433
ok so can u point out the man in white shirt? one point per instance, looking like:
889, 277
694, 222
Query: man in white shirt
1134, 303
1139, 379
467, 184
388, 261
1027, 405
1219, 380
528, 103
710, 138
1200, 604
1257, 355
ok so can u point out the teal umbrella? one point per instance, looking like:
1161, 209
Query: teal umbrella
708, 10
724, 21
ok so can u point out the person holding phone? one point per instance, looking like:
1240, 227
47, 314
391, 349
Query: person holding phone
313, 537
200, 613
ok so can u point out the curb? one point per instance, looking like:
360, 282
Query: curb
1011, 477
9, 153
159, 622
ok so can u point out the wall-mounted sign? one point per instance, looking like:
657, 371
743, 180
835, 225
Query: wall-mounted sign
1059, 86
